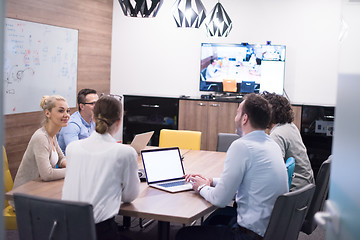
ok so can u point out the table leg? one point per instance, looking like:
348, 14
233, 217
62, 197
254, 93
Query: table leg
163, 230
126, 221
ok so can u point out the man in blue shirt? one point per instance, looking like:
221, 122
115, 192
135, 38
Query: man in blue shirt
81, 123
254, 172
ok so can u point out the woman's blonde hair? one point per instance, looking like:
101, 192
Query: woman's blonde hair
107, 111
48, 103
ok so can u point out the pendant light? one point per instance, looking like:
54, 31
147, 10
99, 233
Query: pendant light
140, 8
189, 13
219, 23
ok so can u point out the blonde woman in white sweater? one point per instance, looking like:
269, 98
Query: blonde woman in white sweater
43, 154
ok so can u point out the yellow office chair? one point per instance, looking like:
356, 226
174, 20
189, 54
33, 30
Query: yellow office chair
183, 139
8, 212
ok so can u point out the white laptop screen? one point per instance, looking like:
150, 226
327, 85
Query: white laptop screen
162, 164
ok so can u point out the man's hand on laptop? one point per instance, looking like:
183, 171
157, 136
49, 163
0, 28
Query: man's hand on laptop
198, 181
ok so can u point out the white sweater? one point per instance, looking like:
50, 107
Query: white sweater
102, 172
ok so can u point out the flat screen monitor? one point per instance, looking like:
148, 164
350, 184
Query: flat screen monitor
254, 67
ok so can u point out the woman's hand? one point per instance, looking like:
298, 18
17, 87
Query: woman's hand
63, 164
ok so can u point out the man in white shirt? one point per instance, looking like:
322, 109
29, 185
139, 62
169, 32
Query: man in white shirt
254, 171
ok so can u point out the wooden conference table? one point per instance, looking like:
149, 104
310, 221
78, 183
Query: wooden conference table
183, 207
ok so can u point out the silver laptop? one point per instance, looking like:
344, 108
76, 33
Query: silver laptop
164, 169
141, 140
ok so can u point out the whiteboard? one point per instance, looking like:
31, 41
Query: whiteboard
39, 60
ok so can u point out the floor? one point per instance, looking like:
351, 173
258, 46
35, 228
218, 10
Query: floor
150, 232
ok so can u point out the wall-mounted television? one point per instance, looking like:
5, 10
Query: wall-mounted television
242, 68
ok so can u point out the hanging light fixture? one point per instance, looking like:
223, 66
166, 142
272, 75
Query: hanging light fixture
140, 8
189, 13
219, 23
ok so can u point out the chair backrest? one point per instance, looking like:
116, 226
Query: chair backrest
203, 74
229, 85
183, 139
224, 141
321, 191
290, 166
8, 181
247, 87
42, 218
289, 213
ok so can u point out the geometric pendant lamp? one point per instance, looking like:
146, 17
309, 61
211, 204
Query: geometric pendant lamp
188, 13
219, 23
140, 8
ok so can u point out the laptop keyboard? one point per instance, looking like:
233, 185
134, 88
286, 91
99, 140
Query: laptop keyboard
173, 184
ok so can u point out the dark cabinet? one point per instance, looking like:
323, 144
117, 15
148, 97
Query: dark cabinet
317, 129
144, 114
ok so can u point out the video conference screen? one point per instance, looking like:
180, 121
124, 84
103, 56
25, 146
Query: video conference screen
246, 67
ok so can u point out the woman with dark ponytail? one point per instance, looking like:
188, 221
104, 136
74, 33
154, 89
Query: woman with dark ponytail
101, 171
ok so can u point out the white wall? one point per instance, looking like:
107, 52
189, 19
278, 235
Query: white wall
153, 57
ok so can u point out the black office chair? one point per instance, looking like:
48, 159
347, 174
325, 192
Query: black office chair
321, 191
289, 213
224, 141
41, 218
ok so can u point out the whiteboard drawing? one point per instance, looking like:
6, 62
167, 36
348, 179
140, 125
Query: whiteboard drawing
15, 75
39, 60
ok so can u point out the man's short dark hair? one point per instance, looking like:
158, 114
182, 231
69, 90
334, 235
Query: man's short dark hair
82, 95
281, 108
258, 109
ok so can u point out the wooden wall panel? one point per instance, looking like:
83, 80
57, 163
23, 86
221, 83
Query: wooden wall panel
93, 19
297, 116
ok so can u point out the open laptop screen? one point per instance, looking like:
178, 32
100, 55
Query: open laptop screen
162, 164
